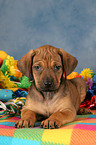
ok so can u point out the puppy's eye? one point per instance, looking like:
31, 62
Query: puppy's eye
57, 67
37, 67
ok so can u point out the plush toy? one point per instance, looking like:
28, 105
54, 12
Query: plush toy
6, 94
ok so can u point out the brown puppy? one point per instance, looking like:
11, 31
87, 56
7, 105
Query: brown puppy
51, 96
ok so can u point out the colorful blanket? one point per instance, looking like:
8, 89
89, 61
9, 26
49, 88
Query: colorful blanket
80, 132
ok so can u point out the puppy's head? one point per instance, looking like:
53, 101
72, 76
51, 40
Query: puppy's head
47, 65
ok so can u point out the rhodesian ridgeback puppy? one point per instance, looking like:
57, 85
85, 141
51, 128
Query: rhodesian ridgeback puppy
51, 96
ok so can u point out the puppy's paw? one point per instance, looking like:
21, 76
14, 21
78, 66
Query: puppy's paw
84, 111
50, 124
24, 123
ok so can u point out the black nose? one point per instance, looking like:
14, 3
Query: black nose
47, 83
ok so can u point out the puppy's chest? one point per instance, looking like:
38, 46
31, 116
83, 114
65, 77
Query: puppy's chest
50, 103
48, 106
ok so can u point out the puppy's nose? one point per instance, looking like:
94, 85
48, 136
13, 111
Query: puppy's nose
47, 83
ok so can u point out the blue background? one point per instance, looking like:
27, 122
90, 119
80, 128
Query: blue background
67, 24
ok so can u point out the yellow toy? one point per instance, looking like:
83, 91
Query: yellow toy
9, 66
72, 75
3, 55
5, 81
8, 69
86, 73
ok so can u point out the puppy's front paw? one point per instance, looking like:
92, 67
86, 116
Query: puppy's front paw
50, 124
24, 123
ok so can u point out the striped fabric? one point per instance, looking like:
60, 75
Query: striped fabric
80, 132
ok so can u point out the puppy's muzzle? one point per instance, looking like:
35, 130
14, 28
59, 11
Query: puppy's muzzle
48, 84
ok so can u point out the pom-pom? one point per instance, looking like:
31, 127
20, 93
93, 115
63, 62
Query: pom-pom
89, 83
10, 62
86, 73
5, 81
24, 82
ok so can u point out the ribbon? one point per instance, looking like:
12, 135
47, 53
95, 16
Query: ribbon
11, 108
91, 104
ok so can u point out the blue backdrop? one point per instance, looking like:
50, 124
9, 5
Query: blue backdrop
68, 24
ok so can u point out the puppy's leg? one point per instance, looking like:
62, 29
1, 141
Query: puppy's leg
28, 119
59, 118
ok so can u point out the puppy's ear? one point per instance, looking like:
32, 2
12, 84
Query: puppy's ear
24, 64
69, 62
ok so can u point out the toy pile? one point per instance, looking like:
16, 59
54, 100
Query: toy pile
90, 78
14, 87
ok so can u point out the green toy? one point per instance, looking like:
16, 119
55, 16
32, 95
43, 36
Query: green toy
24, 82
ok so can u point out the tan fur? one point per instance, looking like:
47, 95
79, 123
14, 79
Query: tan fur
50, 94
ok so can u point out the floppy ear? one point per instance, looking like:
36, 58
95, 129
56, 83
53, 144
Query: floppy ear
69, 62
24, 64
